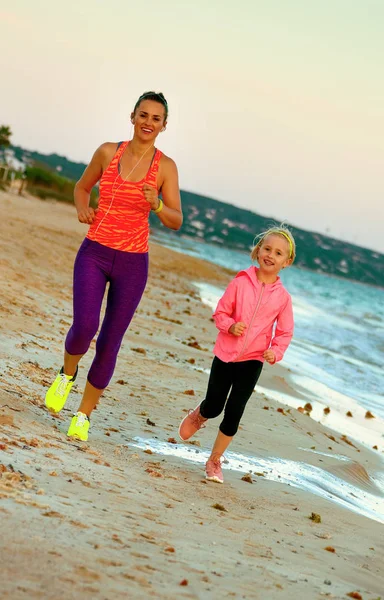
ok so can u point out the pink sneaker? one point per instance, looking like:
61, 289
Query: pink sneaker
191, 423
213, 470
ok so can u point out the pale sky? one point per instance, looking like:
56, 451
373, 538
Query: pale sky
275, 105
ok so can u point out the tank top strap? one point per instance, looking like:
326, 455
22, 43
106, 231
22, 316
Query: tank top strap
121, 146
152, 173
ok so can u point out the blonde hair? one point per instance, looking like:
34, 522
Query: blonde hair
281, 230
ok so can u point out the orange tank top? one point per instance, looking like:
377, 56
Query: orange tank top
122, 219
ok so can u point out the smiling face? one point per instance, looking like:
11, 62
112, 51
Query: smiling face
148, 120
274, 254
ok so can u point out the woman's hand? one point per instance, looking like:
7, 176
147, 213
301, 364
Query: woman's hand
237, 329
269, 356
87, 215
151, 196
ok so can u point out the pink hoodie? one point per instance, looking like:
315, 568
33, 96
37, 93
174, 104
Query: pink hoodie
259, 306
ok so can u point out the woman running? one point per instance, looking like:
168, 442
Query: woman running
132, 175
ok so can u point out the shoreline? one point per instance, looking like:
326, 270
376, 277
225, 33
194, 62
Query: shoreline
105, 515
245, 252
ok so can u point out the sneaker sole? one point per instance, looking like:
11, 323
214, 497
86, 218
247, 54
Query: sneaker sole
183, 439
76, 437
214, 479
188, 438
53, 410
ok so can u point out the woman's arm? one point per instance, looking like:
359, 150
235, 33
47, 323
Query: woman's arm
170, 215
89, 178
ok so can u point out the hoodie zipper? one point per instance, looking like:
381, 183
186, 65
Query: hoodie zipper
253, 318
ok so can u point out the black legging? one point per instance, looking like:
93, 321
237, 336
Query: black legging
242, 378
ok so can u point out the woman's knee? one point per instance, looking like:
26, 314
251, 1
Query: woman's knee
107, 349
102, 369
80, 336
100, 377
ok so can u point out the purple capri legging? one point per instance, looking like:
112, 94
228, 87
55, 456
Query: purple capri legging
127, 273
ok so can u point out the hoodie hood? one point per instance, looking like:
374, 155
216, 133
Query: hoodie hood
251, 273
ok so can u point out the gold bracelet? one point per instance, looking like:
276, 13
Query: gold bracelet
160, 207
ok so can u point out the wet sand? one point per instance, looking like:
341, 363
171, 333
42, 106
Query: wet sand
129, 514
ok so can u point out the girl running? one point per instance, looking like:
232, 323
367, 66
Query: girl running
115, 250
254, 301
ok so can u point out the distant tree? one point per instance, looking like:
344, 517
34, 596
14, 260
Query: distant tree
5, 135
5, 138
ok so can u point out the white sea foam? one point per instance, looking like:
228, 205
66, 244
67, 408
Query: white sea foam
289, 472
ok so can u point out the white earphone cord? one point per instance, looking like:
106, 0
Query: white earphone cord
124, 180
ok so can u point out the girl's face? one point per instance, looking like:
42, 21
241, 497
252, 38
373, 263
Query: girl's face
148, 120
273, 254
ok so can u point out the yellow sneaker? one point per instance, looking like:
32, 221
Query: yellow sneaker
57, 395
79, 427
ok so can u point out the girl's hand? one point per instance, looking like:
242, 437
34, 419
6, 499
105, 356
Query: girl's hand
87, 215
269, 356
237, 328
151, 196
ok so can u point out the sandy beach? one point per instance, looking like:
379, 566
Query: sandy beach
129, 514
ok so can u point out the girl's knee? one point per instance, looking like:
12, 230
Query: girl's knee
209, 412
229, 429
